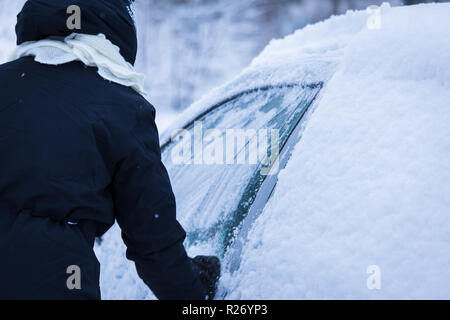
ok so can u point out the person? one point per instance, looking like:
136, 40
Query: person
79, 150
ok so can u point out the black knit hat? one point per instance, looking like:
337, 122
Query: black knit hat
40, 19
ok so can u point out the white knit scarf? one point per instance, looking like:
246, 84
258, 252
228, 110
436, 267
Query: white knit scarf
92, 50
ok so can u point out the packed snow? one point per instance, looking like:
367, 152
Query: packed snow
369, 183
367, 186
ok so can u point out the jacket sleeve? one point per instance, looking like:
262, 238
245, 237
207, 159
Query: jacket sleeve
145, 210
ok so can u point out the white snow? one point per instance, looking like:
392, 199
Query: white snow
369, 183
309, 55
8, 12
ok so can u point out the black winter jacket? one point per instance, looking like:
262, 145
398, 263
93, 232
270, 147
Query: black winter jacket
77, 153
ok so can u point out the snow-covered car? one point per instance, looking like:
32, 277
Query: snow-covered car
356, 201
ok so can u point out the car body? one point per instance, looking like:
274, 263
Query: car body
237, 210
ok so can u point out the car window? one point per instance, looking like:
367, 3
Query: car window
218, 163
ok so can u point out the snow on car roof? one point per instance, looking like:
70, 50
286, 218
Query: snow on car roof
362, 209
309, 55
365, 193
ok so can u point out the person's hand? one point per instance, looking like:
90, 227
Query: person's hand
208, 269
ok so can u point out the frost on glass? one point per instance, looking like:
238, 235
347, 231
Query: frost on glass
213, 199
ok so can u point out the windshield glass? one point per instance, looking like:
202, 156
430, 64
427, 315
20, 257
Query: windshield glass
218, 163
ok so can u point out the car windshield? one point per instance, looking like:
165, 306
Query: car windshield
218, 163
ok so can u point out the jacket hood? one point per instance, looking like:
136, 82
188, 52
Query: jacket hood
40, 19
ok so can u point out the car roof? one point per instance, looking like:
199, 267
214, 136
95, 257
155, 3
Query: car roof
367, 186
302, 58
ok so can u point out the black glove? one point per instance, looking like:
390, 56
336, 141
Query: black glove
208, 269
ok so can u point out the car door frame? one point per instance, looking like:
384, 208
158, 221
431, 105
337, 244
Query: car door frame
269, 183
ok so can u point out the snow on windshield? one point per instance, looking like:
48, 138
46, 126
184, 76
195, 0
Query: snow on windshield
214, 196
366, 190
310, 55
362, 209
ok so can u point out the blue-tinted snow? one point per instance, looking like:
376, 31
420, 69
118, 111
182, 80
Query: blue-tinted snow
369, 183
